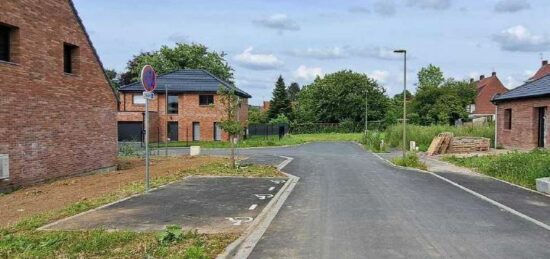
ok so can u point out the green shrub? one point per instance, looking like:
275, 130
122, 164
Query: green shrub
411, 160
128, 149
373, 141
423, 135
519, 168
172, 233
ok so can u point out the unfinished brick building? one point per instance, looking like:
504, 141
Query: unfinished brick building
192, 111
522, 115
57, 110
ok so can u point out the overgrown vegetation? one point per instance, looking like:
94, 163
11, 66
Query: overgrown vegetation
374, 141
519, 168
423, 135
22, 240
267, 141
411, 160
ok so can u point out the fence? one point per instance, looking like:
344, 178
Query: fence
267, 130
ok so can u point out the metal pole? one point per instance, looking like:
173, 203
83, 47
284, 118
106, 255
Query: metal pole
146, 144
366, 112
166, 113
405, 105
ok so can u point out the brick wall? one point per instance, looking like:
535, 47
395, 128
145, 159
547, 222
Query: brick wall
189, 111
523, 134
53, 124
483, 102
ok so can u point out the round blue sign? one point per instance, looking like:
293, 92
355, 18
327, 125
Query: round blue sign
148, 78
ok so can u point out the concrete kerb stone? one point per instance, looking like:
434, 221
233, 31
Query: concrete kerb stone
480, 196
243, 246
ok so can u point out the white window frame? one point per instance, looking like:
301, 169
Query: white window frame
5, 164
138, 99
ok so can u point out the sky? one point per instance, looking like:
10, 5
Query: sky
302, 39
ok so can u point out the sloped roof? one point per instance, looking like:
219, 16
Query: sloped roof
186, 80
543, 70
536, 88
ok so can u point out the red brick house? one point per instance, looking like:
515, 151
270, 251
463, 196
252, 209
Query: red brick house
487, 87
522, 115
543, 70
57, 109
192, 111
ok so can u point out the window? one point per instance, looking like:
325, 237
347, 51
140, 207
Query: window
508, 119
206, 99
70, 53
5, 42
138, 99
172, 104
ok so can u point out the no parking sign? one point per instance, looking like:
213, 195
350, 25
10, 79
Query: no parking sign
148, 78
149, 82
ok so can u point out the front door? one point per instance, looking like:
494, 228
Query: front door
196, 131
541, 126
217, 131
173, 130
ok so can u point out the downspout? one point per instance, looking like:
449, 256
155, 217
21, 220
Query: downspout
496, 125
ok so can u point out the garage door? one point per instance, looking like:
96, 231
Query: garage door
130, 131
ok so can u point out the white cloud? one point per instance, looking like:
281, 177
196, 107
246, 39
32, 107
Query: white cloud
256, 61
320, 53
385, 7
381, 76
430, 4
511, 6
375, 52
279, 22
304, 73
519, 38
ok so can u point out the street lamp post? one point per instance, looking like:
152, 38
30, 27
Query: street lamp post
404, 99
366, 112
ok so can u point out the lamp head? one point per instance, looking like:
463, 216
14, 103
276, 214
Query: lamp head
399, 51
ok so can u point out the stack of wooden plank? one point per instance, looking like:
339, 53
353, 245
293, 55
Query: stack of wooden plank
440, 144
469, 144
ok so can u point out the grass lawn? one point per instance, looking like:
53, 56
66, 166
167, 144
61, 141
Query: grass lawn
271, 141
64, 198
516, 167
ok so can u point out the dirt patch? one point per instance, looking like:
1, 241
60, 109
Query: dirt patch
59, 194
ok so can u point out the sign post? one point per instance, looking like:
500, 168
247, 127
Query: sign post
149, 82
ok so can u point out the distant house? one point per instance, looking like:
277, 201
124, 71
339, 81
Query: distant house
57, 109
191, 111
543, 70
522, 115
265, 106
486, 87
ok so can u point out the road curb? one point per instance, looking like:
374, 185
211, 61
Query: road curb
243, 246
478, 195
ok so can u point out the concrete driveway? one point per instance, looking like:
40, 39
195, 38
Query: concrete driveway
350, 204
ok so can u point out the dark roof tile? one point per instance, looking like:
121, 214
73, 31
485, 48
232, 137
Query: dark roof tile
187, 80
531, 89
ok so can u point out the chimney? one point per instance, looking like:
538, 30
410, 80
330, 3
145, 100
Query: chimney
494, 74
544, 63
481, 77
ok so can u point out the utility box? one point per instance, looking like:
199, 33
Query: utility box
195, 151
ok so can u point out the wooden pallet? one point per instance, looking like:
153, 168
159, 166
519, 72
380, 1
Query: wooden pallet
440, 144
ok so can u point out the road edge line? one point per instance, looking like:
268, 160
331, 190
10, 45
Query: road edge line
478, 195
243, 246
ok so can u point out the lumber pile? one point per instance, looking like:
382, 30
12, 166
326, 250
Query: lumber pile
440, 144
446, 143
469, 144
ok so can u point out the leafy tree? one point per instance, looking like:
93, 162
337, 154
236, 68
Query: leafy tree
280, 104
340, 96
182, 56
256, 116
280, 119
395, 108
439, 100
230, 124
293, 91
112, 76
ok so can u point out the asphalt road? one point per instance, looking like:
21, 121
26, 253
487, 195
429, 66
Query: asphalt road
350, 204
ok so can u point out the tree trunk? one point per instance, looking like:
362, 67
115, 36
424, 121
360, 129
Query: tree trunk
232, 158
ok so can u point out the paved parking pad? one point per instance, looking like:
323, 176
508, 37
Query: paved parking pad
262, 159
208, 204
